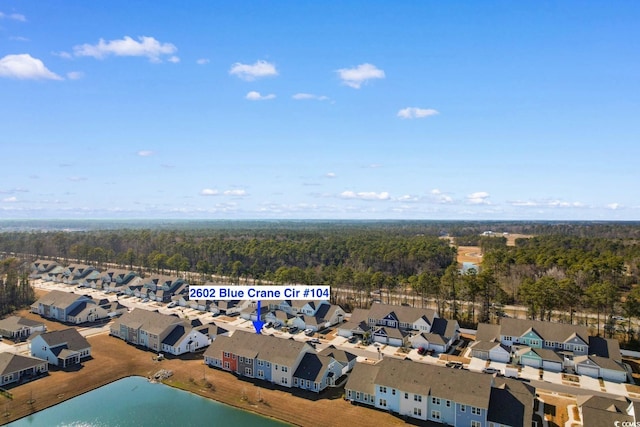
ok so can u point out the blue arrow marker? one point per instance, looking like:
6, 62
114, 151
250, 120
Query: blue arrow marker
258, 324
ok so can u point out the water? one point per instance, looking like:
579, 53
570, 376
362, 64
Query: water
136, 402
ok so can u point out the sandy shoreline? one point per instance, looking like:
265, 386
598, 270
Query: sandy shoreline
113, 359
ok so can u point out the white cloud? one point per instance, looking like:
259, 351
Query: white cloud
25, 67
62, 54
416, 113
614, 206
145, 153
250, 72
305, 96
355, 77
365, 195
479, 198
238, 193
11, 199
441, 197
174, 59
552, 203
209, 192
202, 61
256, 96
330, 175
408, 198
19, 39
13, 16
75, 75
145, 46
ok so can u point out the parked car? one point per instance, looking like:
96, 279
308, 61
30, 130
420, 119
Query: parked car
454, 365
293, 330
422, 351
352, 339
491, 370
172, 304
145, 300
314, 341
308, 332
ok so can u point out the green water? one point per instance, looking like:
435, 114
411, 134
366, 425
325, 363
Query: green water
136, 402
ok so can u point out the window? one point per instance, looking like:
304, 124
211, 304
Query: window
358, 395
383, 389
417, 412
241, 359
475, 411
295, 382
435, 415
435, 400
393, 391
226, 365
268, 364
448, 403
476, 424
506, 338
284, 369
261, 374
406, 395
248, 371
260, 362
548, 344
418, 398
275, 367
383, 403
285, 380
463, 408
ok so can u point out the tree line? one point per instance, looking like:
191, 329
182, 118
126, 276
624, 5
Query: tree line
15, 290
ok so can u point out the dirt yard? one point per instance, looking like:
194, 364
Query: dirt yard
114, 359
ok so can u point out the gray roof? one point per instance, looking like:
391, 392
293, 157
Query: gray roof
445, 328
403, 313
312, 367
343, 357
487, 332
60, 299
15, 323
484, 345
465, 387
548, 331
511, 403
604, 411
362, 378
10, 363
547, 354
358, 316
150, 321
264, 347
605, 347
69, 338
602, 362
217, 347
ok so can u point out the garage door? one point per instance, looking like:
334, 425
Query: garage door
588, 371
530, 361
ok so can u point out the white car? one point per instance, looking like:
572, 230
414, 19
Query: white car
172, 304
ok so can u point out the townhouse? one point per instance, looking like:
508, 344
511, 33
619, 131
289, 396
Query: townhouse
144, 328
58, 304
287, 363
551, 346
403, 326
161, 288
438, 394
43, 269
15, 368
63, 348
166, 333
607, 411
115, 280
17, 328
303, 314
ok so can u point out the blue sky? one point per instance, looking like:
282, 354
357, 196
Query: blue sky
307, 109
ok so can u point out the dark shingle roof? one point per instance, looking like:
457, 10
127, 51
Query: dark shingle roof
10, 363
511, 403
312, 367
71, 338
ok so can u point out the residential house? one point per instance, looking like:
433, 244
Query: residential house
58, 304
438, 394
443, 334
428, 392
43, 269
357, 324
116, 280
316, 372
607, 411
600, 367
346, 359
15, 368
541, 334
17, 328
259, 356
79, 274
487, 345
63, 348
185, 338
161, 288
145, 328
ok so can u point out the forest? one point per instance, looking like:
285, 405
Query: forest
572, 267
